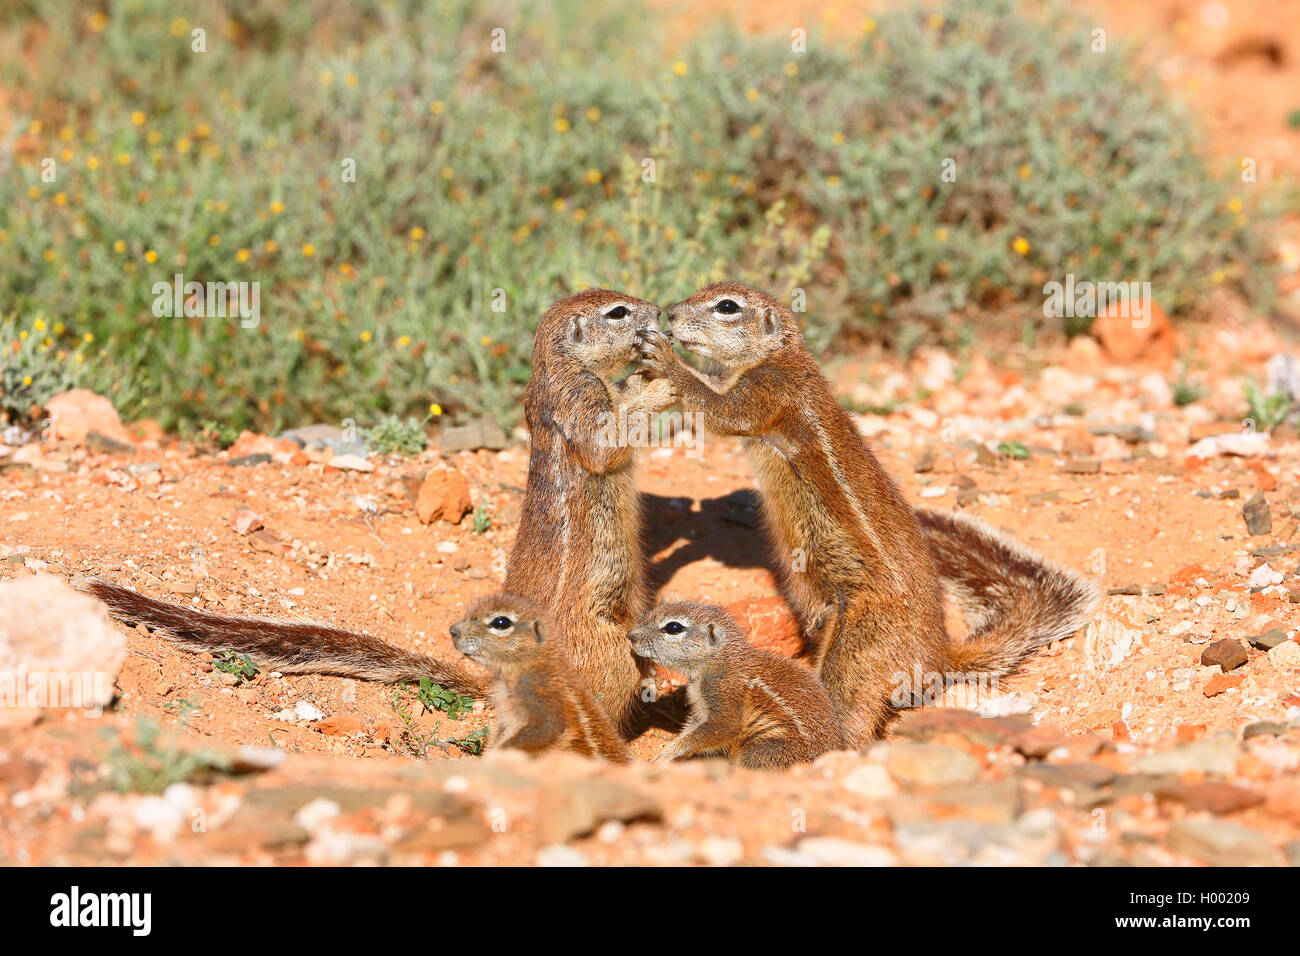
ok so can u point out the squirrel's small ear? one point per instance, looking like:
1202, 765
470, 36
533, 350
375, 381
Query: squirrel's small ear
575, 329
537, 632
771, 321
712, 637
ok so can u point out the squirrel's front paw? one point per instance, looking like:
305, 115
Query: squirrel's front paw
654, 351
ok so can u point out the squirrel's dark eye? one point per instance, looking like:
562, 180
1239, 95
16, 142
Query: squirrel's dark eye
618, 312
501, 623
727, 307
674, 627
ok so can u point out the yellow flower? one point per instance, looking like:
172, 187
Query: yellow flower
1021, 245
39, 325
833, 181
417, 233
559, 205
941, 234
593, 115
436, 107
65, 134
124, 159
97, 21
1234, 204
308, 250
404, 341
27, 380
752, 94
49, 255
182, 145
435, 409
88, 337
869, 25
326, 77
365, 336
935, 21
153, 137
350, 79
277, 207
561, 125
837, 139
66, 155
755, 131
137, 118
680, 68
22, 334
92, 162
790, 69
203, 131
214, 240
33, 192
60, 199
1025, 171
1217, 276
594, 176
178, 27
271, 246
243, 255
485, 340
447, 172
150, 256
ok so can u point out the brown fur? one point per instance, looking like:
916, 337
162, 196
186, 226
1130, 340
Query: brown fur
578, 550
294, 647
761, 710
540, 703
869, 589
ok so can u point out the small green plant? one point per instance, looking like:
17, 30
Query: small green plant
1266, 411
1293, 119
1013, 449
482, 518
182, 707
473, 743
38, 359
397, 436
148, 764
221, 434
1187, 393
241, 665
435, 697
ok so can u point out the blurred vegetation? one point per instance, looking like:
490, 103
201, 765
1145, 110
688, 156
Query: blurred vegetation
522, 171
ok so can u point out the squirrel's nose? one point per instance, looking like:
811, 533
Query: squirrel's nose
455, 630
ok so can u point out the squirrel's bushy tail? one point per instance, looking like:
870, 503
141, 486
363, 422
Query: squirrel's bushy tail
1014, 600
293, 647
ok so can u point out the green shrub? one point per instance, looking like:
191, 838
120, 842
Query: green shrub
488, 182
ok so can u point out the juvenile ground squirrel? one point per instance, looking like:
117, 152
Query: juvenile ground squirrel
578, 550
761, 710
540, 702
864, 570
293, 647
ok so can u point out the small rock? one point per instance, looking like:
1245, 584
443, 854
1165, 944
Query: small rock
832, 851
561, 856
578, 807
245, 521
77, 413
1216, 755
248, 461
444, 494
926, 765
1214, 796
1220, 683
480, 433
1228, 654
870, 781
1082, 466
1220, 843
1286, 656
1256, 513
1269, 639
350, 463
720, 851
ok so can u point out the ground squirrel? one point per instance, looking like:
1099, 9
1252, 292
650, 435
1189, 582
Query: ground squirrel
293, 647
761, 710
864, 571
578, 549
540, 702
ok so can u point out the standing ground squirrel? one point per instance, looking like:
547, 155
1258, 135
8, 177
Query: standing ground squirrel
858, 560
761, 710
578, 550
540, 702
293, 647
